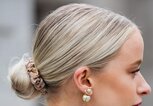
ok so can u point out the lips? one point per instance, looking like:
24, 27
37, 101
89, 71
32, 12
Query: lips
139, 104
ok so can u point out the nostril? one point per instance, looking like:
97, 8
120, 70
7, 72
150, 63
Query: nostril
144, 93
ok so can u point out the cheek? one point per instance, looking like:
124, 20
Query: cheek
125, 89
120, 90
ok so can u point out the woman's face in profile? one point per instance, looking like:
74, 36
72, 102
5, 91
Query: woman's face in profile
120, 83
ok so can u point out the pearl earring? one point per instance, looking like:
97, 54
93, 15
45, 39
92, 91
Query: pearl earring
87, 96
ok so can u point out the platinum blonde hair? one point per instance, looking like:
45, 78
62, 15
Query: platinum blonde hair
72, 36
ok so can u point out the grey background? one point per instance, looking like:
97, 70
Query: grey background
18, 19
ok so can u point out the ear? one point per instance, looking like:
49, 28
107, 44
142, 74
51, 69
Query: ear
82, 78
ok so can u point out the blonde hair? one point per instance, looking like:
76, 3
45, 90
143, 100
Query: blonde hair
72, 36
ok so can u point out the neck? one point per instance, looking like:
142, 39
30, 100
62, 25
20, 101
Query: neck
68, 95
64, 100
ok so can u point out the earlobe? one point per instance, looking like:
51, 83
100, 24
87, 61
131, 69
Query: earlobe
82, 78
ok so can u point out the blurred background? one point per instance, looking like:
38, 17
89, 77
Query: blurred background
19, 18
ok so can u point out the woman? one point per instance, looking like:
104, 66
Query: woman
83, 56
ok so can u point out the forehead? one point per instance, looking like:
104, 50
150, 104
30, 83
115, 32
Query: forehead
132, 49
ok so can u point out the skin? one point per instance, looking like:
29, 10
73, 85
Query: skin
119, 83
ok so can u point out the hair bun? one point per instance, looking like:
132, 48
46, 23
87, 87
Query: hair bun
20, 80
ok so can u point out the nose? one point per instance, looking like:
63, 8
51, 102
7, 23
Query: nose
143, 88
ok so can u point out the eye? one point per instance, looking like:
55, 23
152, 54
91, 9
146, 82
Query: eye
134, 73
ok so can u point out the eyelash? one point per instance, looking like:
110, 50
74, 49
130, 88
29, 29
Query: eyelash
135, 72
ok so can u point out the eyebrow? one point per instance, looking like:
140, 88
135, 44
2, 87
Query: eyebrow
137, 62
